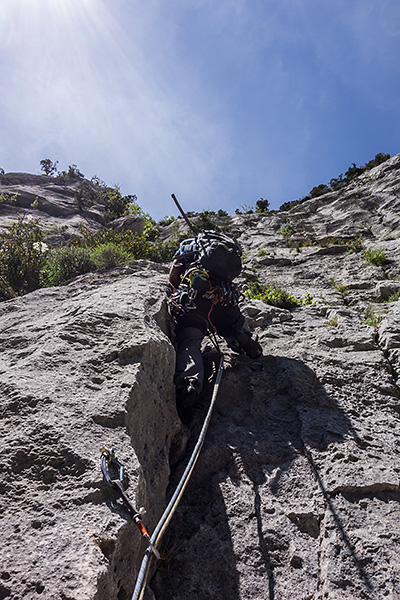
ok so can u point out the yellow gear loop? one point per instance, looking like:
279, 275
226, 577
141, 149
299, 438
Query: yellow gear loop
194, 273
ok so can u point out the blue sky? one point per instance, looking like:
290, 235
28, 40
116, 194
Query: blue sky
219, 101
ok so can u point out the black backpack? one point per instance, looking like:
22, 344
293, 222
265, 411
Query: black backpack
217, 253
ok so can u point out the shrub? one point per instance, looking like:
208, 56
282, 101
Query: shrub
72, 174
109, 255
133, 208
65, 263
333, 322
204, 221
48, 166
138, 246
339, 182
286, 230
164, 251
271, 294
8, 198
292, 203
340, 287
394, 297
308, 299
379, 158
319, 190
371, 318
375, 256
355, 245
22, 255
262, 206
116, 205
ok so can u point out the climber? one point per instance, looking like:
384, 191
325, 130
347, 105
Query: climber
205, 299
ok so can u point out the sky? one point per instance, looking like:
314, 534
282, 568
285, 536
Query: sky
221, 102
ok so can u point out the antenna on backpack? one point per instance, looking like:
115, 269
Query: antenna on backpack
184, 215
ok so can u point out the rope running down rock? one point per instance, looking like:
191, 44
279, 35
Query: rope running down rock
173, 503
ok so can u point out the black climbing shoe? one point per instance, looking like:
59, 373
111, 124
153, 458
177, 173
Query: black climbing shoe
244, 344
186, 400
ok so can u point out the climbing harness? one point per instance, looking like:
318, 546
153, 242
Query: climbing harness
173, 503
182, 300
108, 460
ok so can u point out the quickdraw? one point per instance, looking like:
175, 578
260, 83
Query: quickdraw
108, 460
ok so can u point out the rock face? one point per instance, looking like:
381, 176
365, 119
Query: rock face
62, 205
82, 366
296, 491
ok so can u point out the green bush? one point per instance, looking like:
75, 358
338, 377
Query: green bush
8, 198
49, 167
203, 221
319, 190
262, 206
164, 251
375, 256
271, 294
65, 263
22, 255
109, 255
286, 230
138, 246
340, 287
135, 209
394, 297
371, 318
355, 245
73, 174
116, 205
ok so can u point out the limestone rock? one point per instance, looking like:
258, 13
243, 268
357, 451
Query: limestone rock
385, 289
60, 205
129, 223
83, 366
296, 492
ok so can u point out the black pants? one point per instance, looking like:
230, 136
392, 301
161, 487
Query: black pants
189, 336
189, 362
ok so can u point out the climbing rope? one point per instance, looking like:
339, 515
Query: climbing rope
173, 503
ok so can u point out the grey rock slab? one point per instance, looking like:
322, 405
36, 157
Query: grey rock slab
83, 366
296, 491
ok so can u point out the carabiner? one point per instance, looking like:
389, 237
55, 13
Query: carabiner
109, 458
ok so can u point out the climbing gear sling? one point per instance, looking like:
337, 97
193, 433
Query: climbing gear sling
173, 503
108, 458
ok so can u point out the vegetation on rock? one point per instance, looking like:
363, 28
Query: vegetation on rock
26, 263
337, 183
271, 294
375, 256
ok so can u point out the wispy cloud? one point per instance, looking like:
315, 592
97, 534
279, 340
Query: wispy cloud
216, 101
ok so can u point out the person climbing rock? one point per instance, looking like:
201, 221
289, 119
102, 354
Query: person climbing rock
205, 298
